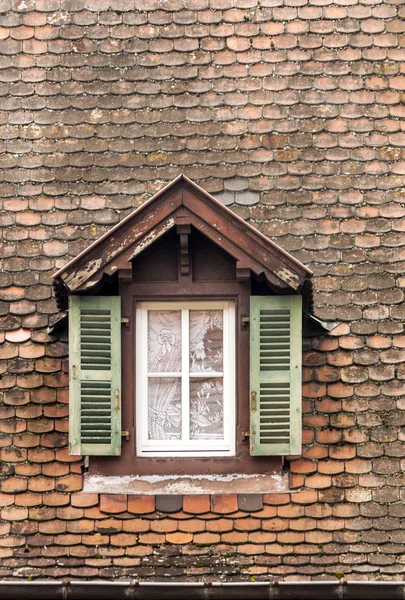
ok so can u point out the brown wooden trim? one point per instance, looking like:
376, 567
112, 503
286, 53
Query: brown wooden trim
117, 227
246, 226
114, 246
129, 464
144, 225
262, 257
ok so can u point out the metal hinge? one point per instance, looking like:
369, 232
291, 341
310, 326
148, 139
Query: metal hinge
125, 434
253, 401
125, 321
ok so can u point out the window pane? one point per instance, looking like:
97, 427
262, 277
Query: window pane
164, 408
164, 341
206, 340
206, 409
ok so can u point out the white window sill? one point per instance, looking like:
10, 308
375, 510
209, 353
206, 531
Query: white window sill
235, 483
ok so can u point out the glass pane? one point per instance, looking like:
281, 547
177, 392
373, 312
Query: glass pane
206, 340
164, 341
164, 408
206, 409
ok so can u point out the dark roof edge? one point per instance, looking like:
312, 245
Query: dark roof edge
135, 590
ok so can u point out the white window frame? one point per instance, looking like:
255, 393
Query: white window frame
207, 448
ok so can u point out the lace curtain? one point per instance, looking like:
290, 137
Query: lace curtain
205, 341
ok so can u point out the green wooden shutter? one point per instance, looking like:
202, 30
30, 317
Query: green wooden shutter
95, 375
275, 375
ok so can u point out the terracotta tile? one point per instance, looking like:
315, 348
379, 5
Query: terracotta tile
276, 499
153, 539
224, 504
248, 524
220, 525
108, 526
262, 537
18, 335
196, 504
179, 538
84, 500
141, 504
113, 503
192, 526
123, 539
138, 525
69, 483
163, 526
234, 537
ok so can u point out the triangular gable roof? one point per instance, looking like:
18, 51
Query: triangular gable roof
181, 202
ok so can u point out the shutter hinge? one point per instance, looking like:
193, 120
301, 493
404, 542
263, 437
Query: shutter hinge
253, 401
245, 320
125, 321
125, 434
117, 400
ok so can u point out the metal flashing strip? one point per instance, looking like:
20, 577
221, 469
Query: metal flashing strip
135, 590
323, 326
238, 483
327, 325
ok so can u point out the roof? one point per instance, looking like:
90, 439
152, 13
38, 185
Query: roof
181, 202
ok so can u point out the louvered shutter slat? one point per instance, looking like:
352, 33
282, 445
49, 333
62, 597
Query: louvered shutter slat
95, 375
275, 375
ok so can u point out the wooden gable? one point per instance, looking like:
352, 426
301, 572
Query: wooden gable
181, 205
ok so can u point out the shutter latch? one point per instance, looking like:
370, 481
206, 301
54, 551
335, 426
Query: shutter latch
245, 320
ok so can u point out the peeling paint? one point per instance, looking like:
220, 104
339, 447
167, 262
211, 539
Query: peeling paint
80, 278
138, 231
289, 277
89, 284
188, 484
152, 237
76, 279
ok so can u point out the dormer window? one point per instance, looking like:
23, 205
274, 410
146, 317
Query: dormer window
185, 344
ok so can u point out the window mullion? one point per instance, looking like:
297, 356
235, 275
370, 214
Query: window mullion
226, 350
142, 406
185, 380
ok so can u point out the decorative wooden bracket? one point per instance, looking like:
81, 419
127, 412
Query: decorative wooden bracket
184, 232
125, 274
242, 271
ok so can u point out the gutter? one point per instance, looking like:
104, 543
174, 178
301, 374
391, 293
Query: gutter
135, 590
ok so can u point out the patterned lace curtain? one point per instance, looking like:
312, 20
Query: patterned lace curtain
205, 341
